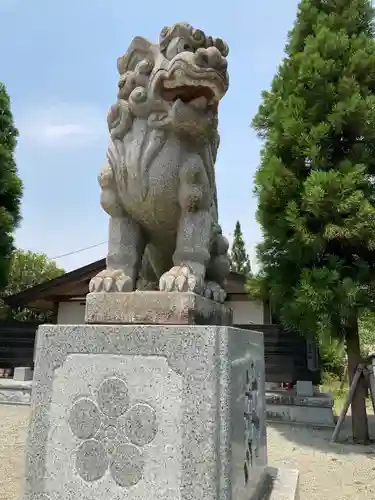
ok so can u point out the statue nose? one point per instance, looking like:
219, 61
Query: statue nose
210, 58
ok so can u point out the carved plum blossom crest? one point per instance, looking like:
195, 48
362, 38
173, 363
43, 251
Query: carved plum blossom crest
112, 432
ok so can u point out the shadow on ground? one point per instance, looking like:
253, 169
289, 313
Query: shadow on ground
320, 438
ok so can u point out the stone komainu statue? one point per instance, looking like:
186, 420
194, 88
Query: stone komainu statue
159, 184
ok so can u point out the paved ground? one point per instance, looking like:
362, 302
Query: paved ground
334, 472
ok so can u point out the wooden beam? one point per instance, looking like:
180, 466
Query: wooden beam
65, 298
55, 312
347, 403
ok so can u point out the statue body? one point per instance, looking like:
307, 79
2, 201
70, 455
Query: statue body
158, 186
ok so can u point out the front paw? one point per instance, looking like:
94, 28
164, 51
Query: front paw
111, 281
181, 279
214, 291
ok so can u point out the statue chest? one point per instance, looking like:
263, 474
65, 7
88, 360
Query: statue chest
147, 177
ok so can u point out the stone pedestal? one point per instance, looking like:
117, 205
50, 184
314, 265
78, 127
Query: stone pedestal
172, 408
147, 412
155, 308
289, 407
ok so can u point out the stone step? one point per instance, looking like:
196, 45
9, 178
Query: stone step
15, 392
290, 398
287, 407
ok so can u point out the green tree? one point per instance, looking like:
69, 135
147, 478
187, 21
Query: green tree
28, 269
240, 261
316, 179
366, 326
10, 185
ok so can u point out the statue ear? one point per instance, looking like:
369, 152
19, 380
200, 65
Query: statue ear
139, 50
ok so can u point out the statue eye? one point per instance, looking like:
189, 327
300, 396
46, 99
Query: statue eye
176, 46
184, 46
199, 36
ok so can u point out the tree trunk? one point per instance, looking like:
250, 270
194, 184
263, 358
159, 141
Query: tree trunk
359, 414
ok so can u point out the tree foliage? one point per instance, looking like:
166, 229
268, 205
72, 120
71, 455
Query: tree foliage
29, 269
316, 179
10, 185
240, 262
366, 326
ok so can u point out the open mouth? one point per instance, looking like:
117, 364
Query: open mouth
195, 95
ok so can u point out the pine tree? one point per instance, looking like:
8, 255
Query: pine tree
10, 186
240, 261
316, 181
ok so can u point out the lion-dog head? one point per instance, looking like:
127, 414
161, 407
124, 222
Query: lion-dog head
176, 84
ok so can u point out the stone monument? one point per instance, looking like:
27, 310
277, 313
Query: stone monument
157, 396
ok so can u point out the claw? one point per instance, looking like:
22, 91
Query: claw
169, 282
107, 284
120, 284
192, 284
96, 284
162, 284
111, 281
180, 283
180, 279
214, 291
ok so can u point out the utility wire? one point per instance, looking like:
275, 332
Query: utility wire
79, 250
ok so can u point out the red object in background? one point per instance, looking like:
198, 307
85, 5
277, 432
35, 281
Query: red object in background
288, 386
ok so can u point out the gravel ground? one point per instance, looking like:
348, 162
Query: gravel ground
334, 472
13, 430
339, 471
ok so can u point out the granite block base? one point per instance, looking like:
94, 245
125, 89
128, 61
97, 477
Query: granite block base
173, 308
147, 412
288, 407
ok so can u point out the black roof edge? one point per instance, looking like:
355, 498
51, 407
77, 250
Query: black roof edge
18, 299
25, 295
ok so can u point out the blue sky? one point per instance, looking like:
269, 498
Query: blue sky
58, 61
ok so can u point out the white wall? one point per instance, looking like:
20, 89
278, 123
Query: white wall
71, 313
244, 312
247, 312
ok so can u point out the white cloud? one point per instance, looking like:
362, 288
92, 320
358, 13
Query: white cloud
62, 125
